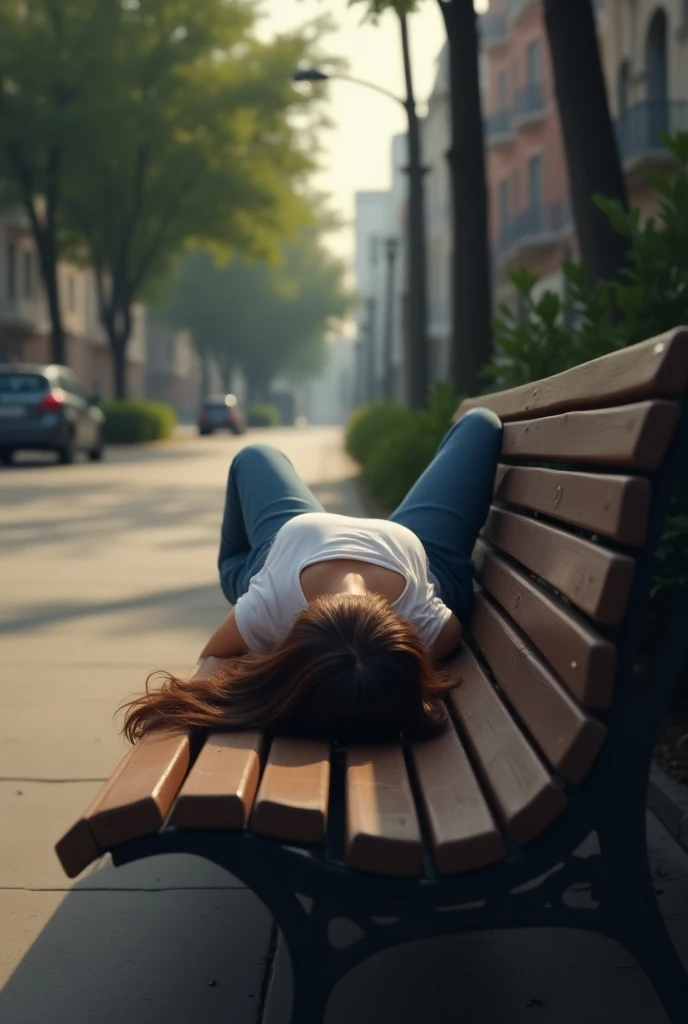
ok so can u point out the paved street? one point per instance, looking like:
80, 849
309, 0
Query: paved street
108, 572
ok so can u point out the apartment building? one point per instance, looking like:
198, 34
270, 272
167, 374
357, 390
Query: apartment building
25, 322
530, 212
644, 46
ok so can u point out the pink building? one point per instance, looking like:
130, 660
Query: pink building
530, 215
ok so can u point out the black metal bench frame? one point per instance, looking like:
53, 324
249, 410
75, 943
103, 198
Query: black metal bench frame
306, 890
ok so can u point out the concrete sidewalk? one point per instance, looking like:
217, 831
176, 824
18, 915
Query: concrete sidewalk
109, 573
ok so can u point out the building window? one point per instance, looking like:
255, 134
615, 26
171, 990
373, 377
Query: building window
373, 250
534, 63
624, 81
71, 294
535, 181
11, 270
27, 260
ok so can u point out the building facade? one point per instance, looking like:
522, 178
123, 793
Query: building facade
644, 46
25, 322
529, 208
173, 369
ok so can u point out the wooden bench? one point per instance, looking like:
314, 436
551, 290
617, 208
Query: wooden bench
551, 737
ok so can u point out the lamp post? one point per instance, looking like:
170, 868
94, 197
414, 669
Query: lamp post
417, 349
391, 249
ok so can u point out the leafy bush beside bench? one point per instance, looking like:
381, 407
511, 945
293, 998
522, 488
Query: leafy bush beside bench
395, 444
262, 414
132, 420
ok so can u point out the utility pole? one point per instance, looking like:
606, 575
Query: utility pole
417, 356
391, 250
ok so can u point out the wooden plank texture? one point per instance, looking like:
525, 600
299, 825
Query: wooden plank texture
134, 802
293, 796
383, 834
584, 661
569, 739
463, 832
657, 368
636, 436
598, 581
614, 506
527, 798
220, 788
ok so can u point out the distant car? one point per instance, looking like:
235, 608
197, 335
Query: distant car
46, 408
221, 412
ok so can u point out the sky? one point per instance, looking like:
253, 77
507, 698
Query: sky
357, 149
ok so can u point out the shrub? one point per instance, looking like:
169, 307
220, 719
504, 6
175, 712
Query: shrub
369, 424
396, 443
262, 414
130, 421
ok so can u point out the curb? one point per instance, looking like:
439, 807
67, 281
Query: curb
668, 800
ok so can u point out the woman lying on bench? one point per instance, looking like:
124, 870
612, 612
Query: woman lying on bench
339, 621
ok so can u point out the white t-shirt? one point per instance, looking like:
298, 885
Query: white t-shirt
266, 612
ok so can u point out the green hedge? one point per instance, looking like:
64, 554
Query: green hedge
262, 414
394, 444
132, 420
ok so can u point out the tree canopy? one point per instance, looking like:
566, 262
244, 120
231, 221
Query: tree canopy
143, 126
266, 318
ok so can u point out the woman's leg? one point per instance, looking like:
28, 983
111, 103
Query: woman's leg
264, 491
448, 504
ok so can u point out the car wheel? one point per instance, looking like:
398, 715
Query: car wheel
66, 454
6, 457
96, 454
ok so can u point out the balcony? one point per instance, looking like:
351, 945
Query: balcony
532, 232
494, 30
529, 105
498, 128
639, 132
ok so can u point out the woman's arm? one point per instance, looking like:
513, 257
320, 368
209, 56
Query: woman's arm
449, 638
226, 641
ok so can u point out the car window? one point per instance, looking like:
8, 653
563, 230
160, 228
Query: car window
22, 383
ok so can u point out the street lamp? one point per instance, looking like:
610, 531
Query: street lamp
417, 362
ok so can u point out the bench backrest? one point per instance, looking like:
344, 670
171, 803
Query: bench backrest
566, 554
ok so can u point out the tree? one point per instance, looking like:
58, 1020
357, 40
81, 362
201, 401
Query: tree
196, 140
51, 53
267, 318
592, 155
471, 280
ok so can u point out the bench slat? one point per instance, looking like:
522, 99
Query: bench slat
657, 368
569, 739
632, 435
383, 835
524, 793
596, 580
615, 506
293, 796
464, 834
221, 787
584, 661
134, 802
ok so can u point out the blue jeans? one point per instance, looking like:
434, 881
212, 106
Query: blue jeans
445, 508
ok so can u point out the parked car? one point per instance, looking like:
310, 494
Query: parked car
221, 412
46, 408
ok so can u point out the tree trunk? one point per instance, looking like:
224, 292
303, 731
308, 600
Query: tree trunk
471, 286
591, 151
44, 238
417, 328
118, 348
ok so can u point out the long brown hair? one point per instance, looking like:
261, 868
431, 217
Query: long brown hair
350, 668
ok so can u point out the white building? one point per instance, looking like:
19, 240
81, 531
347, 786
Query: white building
330, 397
25, 322
438, 218
380, 263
